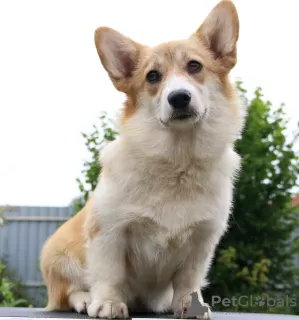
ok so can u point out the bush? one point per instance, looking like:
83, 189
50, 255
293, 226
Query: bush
256, 256
94, 142
11, 293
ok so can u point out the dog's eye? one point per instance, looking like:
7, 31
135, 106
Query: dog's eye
153, 76
194, 66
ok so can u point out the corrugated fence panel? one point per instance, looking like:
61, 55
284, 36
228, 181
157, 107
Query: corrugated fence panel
21, 240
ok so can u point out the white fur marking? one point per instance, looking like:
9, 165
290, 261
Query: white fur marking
198, 96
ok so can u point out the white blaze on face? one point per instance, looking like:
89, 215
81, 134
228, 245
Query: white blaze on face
198, 96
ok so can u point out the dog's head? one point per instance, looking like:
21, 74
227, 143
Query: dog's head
177, 85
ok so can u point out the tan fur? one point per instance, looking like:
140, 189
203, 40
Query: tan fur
64, 247
163, 199
171, 57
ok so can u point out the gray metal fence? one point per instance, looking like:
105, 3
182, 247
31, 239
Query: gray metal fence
21, 239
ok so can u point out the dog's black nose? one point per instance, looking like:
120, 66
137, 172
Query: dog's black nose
179, 99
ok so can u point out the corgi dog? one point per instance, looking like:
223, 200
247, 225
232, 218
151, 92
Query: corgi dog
148, 233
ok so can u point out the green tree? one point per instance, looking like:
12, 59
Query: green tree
256, 255
94, 141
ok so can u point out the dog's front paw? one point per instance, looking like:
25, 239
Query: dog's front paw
181, 306
108, 309
189, 306
79, 300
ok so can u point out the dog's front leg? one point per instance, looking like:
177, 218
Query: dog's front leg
191, 275
106, 275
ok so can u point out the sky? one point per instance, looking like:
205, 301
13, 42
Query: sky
53, 86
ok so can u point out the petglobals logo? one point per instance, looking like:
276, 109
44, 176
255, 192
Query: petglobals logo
253, 301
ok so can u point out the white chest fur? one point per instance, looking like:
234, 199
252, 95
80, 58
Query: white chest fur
154, 252
158, 207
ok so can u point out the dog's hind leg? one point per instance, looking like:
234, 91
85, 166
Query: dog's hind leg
64, 277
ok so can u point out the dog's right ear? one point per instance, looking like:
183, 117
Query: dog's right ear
119, 56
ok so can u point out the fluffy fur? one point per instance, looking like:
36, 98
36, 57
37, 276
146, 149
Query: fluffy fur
149, 231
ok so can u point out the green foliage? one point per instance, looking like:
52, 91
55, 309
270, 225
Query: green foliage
256, 256
10, 292
2, 221
94, 142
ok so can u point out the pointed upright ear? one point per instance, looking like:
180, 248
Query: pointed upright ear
119, 55
220, 32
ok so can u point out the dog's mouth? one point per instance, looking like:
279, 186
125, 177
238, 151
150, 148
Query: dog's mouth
182, 117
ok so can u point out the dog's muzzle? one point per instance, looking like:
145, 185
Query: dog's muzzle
180, 100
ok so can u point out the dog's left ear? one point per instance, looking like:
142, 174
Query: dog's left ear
220, 32
119, 56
